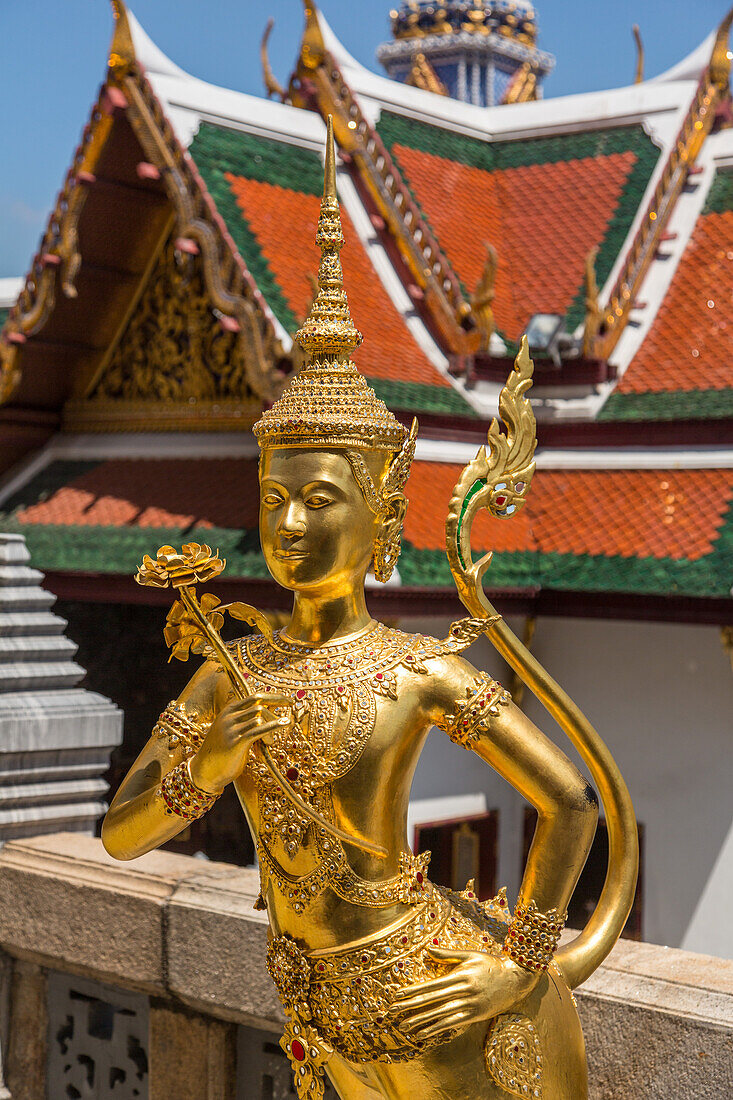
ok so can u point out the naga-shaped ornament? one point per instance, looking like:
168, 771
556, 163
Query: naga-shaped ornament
498, 480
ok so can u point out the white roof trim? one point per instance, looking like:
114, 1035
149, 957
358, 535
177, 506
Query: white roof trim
150, 56
518, 120
191, 101
9, 290
617, 458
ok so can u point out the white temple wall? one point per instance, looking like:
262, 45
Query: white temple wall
661, 695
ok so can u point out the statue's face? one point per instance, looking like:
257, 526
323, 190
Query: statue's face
316, 529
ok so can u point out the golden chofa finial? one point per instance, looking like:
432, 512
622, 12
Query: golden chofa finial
122, 49
329, 403
328, 329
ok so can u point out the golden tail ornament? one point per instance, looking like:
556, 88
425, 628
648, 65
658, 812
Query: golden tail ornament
499, 480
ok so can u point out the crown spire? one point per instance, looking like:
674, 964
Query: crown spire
329, 402
328, 329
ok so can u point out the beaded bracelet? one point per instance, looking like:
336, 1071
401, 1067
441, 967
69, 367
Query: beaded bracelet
181, 795
533, 936
179, 729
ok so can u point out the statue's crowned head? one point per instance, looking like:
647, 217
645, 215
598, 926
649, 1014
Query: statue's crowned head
328, 407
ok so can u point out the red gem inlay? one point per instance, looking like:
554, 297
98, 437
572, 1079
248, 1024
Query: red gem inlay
298, 1050
291, 774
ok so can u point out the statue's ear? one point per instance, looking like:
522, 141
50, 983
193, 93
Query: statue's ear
395, 506
389, 532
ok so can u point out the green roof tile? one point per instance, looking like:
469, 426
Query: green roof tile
720, 195
417, 397
674, 405
119, 550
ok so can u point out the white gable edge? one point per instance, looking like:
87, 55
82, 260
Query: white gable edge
10, 288
561, 114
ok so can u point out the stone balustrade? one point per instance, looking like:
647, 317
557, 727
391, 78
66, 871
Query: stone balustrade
147, 979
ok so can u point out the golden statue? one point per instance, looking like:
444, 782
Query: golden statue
392, 986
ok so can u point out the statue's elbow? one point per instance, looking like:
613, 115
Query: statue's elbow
112, 840
582, 803
587, 808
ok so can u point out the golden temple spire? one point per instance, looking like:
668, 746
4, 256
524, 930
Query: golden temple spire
329, 403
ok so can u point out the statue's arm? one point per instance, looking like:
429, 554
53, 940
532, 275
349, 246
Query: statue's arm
566, 804
137, 820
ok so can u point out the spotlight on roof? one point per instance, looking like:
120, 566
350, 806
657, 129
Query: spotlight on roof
547, 337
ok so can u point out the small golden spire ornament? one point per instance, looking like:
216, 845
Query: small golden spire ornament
329, 403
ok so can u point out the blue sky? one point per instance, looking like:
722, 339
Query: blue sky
52, 59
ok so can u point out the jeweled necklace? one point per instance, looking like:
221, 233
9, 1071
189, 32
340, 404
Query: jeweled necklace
334, 689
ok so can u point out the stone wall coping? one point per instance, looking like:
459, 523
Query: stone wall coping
185, 928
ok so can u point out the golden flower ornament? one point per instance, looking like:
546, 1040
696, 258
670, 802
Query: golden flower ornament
195, 563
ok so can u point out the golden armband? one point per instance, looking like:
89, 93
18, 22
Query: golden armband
533, 936
182, 796
473, 714
176, 726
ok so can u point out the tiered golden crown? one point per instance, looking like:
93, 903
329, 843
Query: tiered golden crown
329, 402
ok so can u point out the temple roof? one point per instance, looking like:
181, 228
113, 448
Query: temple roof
209, 197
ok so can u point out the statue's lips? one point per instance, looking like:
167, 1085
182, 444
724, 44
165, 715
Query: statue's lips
289, 555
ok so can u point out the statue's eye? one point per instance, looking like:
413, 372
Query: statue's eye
318, 500
272, 500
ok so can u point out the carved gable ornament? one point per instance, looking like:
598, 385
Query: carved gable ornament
176, 364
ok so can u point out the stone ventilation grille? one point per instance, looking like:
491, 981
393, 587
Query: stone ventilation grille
98, 1041
55, 738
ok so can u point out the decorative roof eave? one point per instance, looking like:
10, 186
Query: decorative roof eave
233, 291
710, 102
317, 83
423, 75
57, 260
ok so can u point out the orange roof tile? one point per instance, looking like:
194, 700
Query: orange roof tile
633, 513
283, 222
543, 220
690, 343
155, 493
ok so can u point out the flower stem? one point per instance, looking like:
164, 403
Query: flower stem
188, 596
